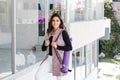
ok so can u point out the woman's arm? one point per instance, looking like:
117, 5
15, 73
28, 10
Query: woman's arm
68, 45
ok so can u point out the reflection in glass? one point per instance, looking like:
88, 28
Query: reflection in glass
5, 61
77, 10
29, 24
5, 39
51, 6
39, 6
58, 6
3, 12
20, 59
31, 58
25, 58
41, 19
54, 7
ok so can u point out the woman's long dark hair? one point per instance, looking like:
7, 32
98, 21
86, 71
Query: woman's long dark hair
50, 27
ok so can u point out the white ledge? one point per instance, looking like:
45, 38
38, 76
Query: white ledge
84, 32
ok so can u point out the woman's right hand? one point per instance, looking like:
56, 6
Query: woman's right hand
47, 42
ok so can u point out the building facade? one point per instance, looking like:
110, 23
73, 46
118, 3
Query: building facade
21, 36
116, 9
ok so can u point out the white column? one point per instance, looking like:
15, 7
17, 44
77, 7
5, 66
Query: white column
13, 24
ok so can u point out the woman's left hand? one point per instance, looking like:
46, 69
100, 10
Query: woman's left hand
54, 44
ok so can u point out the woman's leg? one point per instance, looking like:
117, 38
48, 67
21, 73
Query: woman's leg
44, 68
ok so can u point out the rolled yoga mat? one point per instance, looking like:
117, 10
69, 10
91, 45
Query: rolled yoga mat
66, 58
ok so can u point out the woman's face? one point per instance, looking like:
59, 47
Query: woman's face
56, 22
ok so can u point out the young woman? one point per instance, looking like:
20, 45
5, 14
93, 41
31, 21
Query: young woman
56, 30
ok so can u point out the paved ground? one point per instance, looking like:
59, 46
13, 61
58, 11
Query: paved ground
108, 71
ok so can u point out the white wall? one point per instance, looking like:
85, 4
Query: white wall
85, 32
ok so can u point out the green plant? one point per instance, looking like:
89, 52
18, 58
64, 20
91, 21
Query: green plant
111, 47
110, 60
106, 46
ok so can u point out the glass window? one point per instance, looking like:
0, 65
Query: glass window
64, 10
91, 57
85, 59
30, 31
32, 17
81, 10
5, 39
76, 10
93, 10
100, 9
79, 58
58, 6
3, 12
55, 7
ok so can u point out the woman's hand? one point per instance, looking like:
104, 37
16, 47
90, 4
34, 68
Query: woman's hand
47, 42
54, 44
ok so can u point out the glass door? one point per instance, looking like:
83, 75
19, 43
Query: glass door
5, 38
26, 34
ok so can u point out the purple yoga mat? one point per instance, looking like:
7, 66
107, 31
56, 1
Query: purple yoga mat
66, 58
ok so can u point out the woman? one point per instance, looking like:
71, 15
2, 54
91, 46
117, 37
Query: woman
56, 30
